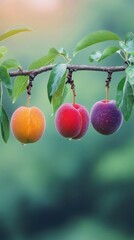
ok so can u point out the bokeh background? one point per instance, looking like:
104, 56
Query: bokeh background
58, 189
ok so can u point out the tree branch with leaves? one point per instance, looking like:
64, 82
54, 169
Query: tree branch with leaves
57, 82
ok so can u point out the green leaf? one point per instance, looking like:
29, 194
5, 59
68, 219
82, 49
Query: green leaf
4, 122
1, 94
55, 78
108, 52
11, 63
43, 61
128, 44
20, 85
63, 52
99, 56
3, 51
129, 36
94, 38
130, 73
60, 94
131, 58
127, 101
13, 32
119, 94
0, 114
49, 58
5, 78
125, 93
53, 51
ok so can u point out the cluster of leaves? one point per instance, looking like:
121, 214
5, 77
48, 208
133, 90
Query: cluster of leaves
125, 88
57, 89
56, 86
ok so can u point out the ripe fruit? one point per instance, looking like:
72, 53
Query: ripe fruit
106, 118
28, 124
72, 120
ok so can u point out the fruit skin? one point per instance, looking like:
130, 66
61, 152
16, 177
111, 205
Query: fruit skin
28, 124
106, 118
72, 120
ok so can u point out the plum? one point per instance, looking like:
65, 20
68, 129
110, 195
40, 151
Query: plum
72, 120
106, 118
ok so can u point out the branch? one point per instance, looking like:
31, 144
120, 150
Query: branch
38, 71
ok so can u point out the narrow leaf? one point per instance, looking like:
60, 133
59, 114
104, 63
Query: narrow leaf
20, 85
60, 94
5, 78
119, 94
4, 124
127, 101
99, 56
3, 51
43, 61
11, 63
55, 78
49, 58
108, 52
12, 32
94, 38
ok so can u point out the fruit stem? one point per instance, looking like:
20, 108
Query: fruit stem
29, 87
28, 101
107, 93
74, 95
71, 82
109, 77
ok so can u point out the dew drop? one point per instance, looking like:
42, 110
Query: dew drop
70, 139
52, 114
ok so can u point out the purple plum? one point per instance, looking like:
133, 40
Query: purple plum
106, 118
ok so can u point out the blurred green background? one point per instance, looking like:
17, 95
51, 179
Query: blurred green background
58, 189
